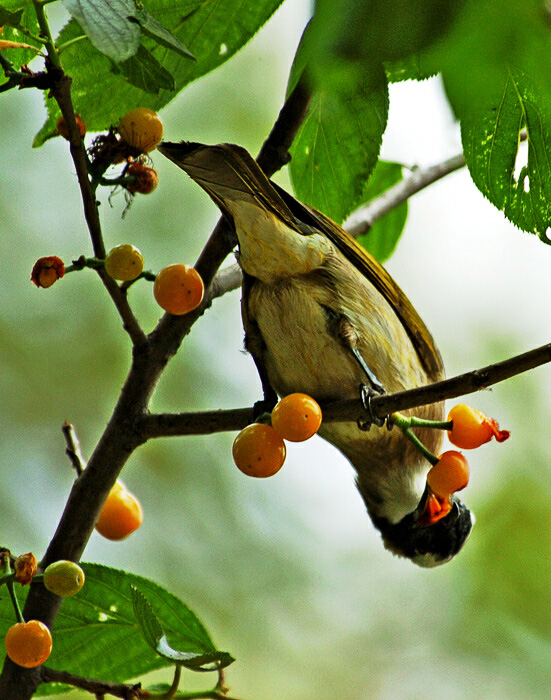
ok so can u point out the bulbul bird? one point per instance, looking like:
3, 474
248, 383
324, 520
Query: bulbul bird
323, 317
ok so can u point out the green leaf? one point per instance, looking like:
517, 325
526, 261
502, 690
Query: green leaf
145, 72
382, 237
490, 134
106, 23
153, 634
96, 633
489, 37
11, 19
213, 30
338, 144
27, 21
161, 34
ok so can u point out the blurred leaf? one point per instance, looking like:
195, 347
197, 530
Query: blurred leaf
489, 38
106, 23
384, 31
382, 237
337, 146
12, 19
146, 73
96, 633
213, 32
161, 34
490, 137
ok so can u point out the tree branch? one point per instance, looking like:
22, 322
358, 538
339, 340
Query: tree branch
62, 93
99, 688
208, 422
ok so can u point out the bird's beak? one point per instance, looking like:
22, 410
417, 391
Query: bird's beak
431, 508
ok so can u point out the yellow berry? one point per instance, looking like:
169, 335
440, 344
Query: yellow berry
124, 262
64, 578
141, 128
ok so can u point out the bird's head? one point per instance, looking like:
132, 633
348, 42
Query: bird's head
432, 534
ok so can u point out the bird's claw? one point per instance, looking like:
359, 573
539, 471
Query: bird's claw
366, 395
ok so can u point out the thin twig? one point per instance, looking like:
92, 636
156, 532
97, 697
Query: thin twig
207, 422
73, 447
360, 221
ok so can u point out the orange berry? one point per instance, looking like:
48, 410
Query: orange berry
296, 417
47, 270
141, 128
471, 428
124, 262
28, 644
146, 178
62, 129
178, 289
258, 450
449, 474
120, 515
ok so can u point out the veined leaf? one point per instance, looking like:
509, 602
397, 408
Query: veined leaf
490, 137
213, 30
106, 23
96, 633
338, 144
154, 635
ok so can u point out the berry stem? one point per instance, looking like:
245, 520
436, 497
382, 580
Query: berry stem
6, 570
46, 33
405, 425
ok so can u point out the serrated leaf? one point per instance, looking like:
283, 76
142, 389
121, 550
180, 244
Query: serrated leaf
210, 31
416, 66
490, 134
106, 23
149, 623
10, 19
96, 633
145, 72
160, 34
383, 236
153, 634
338, 144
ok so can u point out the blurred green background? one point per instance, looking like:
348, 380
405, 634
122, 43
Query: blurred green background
287, 574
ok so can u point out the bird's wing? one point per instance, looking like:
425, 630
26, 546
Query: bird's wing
229, 171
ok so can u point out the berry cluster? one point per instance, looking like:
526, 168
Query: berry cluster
29, 643
259, 449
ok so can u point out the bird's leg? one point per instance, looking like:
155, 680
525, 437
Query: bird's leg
349, 338
254, 344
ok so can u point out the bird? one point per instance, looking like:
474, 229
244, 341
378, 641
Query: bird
322, 317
